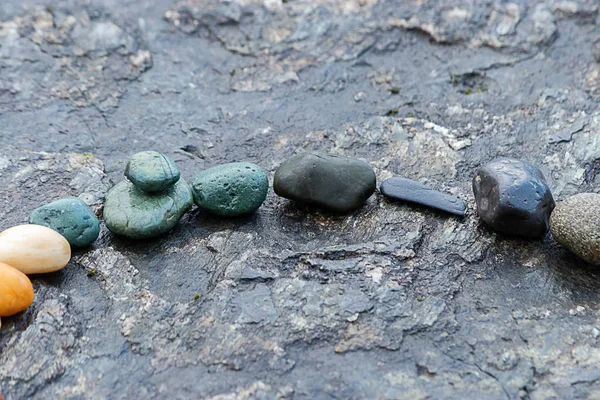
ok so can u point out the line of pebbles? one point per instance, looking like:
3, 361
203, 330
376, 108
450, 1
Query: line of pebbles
512, 198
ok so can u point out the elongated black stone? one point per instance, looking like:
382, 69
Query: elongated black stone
415, 192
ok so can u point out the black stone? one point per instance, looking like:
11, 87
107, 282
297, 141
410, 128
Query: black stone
415, 192
334, 182
513, 197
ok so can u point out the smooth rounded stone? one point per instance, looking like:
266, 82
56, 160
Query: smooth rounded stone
231, 189
70, 217
408, 190
133, 213
512, 197
334, 182
34, 249
16, 291
152, 171
575, 224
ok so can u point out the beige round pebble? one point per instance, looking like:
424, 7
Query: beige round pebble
34, 249
575, 224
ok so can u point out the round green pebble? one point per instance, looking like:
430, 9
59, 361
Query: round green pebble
135, 214
151, 171
231, 189
70, 217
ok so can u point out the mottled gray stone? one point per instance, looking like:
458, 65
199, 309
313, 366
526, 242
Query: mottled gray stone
575, 224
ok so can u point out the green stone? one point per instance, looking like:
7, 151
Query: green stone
70, 217
135, 214
151, 171
231, 189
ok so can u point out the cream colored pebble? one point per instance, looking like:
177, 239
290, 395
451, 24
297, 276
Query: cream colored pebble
34, 249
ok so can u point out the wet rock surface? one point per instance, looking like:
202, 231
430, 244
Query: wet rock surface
575, 223
415, 192
290, 304
513, 198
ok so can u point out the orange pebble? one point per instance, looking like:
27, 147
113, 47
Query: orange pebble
16, 292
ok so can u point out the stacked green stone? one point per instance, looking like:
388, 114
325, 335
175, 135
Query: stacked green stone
151, 201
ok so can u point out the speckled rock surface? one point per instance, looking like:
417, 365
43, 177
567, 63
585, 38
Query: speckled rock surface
337, 183
513, 198
151, 171
575, 224
70, 217
135, 214
386, 302
231, 189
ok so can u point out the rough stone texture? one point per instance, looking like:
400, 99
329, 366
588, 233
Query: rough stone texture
130, 212
70, 217
575, 223
404, 189
336, 183
513, 198
231, 189
388, 302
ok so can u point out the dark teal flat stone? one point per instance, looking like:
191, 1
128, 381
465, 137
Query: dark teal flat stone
231, 189
151, 171
70, 217
135, 214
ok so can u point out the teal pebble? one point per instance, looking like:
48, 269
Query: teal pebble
231, 189
151, 171
70, 217
135, 214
